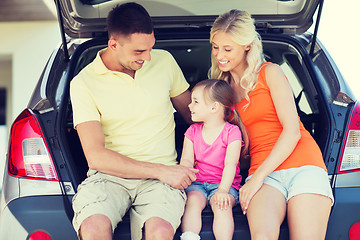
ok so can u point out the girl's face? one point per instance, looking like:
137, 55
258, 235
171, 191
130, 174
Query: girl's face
228, 54
200, 109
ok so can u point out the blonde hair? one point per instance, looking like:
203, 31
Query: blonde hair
241, 29
220, 91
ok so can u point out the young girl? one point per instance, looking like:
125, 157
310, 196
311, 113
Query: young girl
213, 146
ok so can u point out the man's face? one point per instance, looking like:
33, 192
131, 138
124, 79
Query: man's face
132, 51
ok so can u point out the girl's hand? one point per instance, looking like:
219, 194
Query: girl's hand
222, 199
247, 192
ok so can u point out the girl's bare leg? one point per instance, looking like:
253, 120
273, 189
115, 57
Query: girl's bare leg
191, 220
223, 225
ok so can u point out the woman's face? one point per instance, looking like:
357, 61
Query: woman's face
228, 54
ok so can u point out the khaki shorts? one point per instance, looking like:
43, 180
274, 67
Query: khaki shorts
113, 197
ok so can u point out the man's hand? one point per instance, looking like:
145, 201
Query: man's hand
178, 176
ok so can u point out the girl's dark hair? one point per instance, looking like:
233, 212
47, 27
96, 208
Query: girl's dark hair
128, 18
220, 91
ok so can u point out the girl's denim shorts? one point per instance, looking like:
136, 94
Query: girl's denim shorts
209, 189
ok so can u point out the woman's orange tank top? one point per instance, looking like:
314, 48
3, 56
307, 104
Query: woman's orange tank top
264, 128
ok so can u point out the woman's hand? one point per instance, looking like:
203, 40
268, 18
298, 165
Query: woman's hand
222, 199
247, 192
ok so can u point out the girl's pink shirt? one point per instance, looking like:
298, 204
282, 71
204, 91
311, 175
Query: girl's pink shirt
209, 159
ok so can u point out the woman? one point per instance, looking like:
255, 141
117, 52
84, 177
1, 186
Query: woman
287, 174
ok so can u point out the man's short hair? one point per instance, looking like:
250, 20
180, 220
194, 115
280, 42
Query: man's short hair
129, 18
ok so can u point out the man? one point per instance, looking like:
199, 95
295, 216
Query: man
123, 113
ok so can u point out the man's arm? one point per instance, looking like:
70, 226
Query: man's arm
181, 103
107, 161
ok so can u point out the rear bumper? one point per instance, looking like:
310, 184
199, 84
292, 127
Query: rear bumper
53, 214
345, 212
26, 215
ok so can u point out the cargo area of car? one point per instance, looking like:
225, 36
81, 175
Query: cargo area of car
193, 57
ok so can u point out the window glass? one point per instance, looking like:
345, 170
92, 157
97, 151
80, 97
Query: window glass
297, 89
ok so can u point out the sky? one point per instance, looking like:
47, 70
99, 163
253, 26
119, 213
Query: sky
339, 33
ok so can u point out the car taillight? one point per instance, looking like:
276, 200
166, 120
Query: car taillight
350, 158
28, 153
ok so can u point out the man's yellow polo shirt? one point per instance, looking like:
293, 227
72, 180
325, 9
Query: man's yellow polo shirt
136, 115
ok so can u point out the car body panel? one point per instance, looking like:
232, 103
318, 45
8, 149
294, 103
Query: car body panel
348, 180
12, 229
47, 213
346, 205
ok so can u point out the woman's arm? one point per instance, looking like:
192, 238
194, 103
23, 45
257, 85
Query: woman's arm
284, 103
